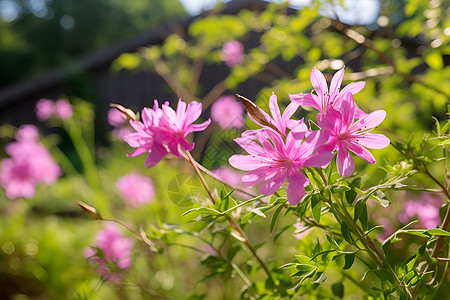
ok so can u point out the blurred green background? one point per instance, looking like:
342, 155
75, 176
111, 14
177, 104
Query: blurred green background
399, 47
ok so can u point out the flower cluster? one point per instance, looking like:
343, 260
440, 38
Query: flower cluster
276, 154
111, 253
30, 164
46, 108
164, 130
135, 189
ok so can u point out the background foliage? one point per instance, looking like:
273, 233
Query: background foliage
402, 56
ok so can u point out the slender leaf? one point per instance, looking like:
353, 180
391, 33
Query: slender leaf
274, 218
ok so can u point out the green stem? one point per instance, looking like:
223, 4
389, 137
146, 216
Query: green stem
89, 167
231, 220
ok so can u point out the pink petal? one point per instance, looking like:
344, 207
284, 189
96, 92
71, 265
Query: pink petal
359, 114
361, 152
138, 126
157, 154
193, 112
245, 162
259, 176
289, 111
353, 87
147, 117
336, 82
319, 160
137, 152
305, 100
318, 82
250, 146
374, 141
275, 110
371, 120
311, 143
277, 140
298, 129
347, 110
296, 187
344, 161
330, 121
181, 112
198, 127
274, 183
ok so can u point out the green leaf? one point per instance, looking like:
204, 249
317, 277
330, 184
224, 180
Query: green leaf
316, 207
338, 289
340, 189
346, 233
437, 231
274, 218
361, 213
349, 258
333, 242
381, 198
445, 128
434, 59
203, 211
321, 277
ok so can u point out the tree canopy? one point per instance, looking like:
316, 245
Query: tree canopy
36, 35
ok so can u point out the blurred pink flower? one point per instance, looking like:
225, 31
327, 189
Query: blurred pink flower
426, 209
234, 179
16, 176
111, 253
29, 165
121, 127
136, 189
44, 109
115, 118
232, 53
27, 133
64, 109
228, 112
388, 229
301, 230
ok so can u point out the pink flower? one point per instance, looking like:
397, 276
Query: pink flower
426, 209
121, 126
164, 131
232, 178
44, 109
27, 133
63, 109
232, 53
388, 229
16, 176
345, 134
328, 98
273, 161
29, 165
301, 230
136, 189
111, 253
282, 122
228, 112
115, 118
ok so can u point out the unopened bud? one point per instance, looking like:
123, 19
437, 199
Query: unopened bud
256, 112
90, 211
126, 112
